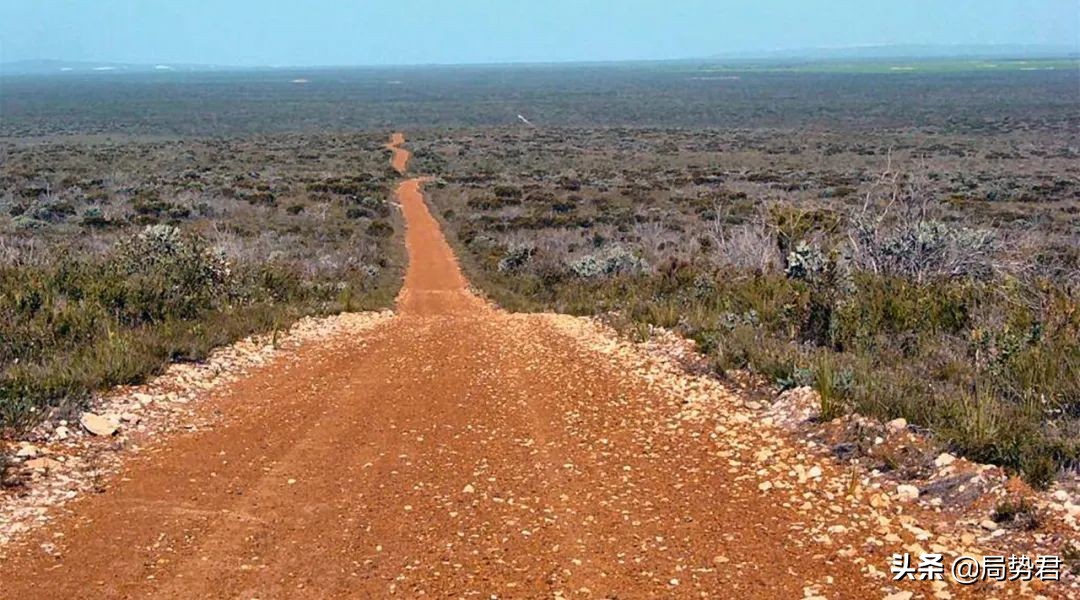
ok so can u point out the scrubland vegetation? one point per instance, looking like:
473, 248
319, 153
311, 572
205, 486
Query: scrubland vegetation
694, 94
931, 277
116, 258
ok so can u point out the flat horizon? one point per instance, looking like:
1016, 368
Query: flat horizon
867, 52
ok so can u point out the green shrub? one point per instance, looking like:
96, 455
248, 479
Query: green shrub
1019, 513
516, 257
614, 260
26, 223
380, 229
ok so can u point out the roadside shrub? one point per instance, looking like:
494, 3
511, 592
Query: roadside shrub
94, 217
26, 223
932, 247
516, 257
380, 229
507, 192
831, 285
163, 273
564, 206
614, 260
493, 202
1019, 513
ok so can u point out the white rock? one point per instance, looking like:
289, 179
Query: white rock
907, 492
468, 489
988, 525
27, 451
814, 472
795, 406
97, 424
42, 464
944, 459
896, 425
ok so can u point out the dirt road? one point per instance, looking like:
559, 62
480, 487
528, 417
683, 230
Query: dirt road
455, 451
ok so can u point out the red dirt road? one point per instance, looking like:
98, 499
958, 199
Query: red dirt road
399, 158
455, 451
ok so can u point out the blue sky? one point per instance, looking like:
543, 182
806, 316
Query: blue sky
343, 32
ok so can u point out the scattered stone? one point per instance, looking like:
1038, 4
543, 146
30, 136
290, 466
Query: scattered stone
944, 459
468, 489
143, 399
896, 425
795, 407
879, 501
988, 525
43, 464
27, 451
907, 492
98, 425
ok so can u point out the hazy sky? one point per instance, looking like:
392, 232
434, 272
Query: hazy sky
344, 32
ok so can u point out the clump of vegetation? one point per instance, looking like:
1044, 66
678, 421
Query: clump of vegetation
516, 257
1070, 553
609, 262
5, 475
1018, 513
